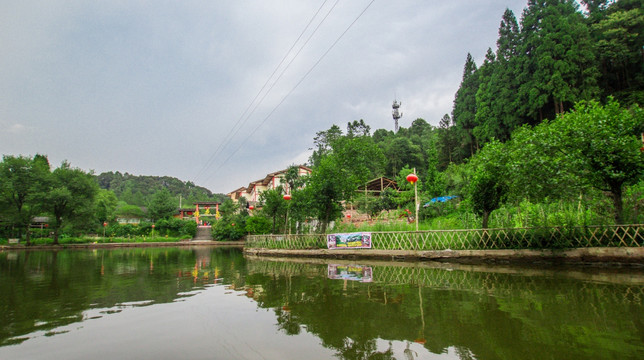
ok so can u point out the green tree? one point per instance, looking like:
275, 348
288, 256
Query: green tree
127, 210
447, 143
488, 125
435, 180
232, 224
538, 171
601, 144
464, 112
162, 205
323, 142
559, 66
326, 188
505, 78
23, 181
70, 197
401, 152
358, 128
488, 186
106, 203
620, 37
273, 206
258, 225
360, 157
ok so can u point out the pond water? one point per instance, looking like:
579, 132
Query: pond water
214, 303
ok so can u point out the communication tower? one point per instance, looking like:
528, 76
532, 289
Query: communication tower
396, 114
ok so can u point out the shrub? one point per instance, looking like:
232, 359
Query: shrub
258, 225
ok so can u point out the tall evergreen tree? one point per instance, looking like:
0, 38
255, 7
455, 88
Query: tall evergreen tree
505, 84
488, 125
446, 144
558, 65
620, 40
464, 112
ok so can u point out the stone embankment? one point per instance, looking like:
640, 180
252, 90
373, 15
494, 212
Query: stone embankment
627, 255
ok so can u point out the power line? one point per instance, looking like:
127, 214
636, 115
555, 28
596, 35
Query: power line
298, 83
238, 124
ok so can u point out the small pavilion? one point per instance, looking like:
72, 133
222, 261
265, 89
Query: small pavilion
202, 208
208, 207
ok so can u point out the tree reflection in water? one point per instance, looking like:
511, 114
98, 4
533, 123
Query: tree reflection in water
407, 310
470, 312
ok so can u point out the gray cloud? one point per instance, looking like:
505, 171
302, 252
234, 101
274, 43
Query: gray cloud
154, 88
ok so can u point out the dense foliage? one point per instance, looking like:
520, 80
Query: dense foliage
68, 202
546, 131
140, 190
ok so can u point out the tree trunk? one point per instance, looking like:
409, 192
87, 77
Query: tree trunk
56, 228
486, 216
556, 107
616, 195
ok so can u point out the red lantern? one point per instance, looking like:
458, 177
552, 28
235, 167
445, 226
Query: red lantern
251, 207
287, 197
412, 178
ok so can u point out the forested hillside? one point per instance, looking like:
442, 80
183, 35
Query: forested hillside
139, 190
553, 57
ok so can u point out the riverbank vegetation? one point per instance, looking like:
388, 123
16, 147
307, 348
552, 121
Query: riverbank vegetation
66, 205
545, 132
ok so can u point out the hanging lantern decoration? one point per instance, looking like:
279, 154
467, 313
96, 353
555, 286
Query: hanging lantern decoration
287, 197
412, 178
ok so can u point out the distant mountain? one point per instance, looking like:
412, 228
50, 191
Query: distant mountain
138, 190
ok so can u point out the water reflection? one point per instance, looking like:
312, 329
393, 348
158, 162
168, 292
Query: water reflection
42, 290
349, 272
461, 311
202, 301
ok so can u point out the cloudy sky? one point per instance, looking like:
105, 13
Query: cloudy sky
184, 88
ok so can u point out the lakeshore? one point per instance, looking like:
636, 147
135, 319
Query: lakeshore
123, 245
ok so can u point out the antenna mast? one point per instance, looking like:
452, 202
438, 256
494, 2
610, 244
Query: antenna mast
396, 114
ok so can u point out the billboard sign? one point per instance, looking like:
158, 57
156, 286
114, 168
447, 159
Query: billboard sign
358, 240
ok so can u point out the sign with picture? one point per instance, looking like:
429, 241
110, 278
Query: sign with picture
358, 240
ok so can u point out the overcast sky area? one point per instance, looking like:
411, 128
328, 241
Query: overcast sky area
159, 87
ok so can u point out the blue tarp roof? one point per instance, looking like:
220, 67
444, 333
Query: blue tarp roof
440, 199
